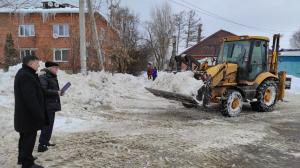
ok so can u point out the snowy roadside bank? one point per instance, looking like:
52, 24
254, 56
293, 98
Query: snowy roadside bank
107, 119
295, 88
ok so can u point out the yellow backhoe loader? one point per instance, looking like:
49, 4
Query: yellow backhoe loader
244, 72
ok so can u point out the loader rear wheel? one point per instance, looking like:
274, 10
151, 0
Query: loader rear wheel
231, 103
266, 96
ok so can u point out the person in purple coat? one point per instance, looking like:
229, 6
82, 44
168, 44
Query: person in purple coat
154, 73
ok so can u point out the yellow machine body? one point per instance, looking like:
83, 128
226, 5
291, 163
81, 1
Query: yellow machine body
243, 73
225, 75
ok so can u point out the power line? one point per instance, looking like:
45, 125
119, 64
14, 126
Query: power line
229, 20
211, 14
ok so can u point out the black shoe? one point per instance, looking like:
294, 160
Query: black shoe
42, 148
50, 144
19, 160
36, 166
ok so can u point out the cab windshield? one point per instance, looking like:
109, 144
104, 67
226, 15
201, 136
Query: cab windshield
234, 52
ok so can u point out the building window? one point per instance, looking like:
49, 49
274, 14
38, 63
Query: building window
26, 52
60, 30
26, 30
60, 55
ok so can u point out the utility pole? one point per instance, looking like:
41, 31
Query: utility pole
82, 37
172, 59
199, 33
174, 46
95, 34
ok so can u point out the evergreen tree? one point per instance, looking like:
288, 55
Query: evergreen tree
10, 53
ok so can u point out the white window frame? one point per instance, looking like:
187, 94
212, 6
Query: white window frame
24, 49
57, 33
61, 49
31, 30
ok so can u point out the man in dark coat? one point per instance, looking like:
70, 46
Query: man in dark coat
49, 82
30, 111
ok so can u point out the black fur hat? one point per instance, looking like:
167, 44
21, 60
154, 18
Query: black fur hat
50, 64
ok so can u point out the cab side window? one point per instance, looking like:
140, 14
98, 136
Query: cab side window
258, 59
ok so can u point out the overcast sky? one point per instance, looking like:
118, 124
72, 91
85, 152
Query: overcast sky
261, 17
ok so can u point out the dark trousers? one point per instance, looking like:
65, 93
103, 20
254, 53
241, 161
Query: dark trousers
26, 146
46, 132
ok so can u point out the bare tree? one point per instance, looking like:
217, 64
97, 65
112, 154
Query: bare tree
179, 22
141, 57
192, 28
295, 40
113, 6
97, 4
160, 30
120, 57
126, 22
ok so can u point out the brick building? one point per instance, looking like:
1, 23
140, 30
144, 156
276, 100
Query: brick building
52, 33
208, 47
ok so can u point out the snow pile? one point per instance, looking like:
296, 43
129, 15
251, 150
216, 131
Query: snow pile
87, 92
183, 82
100, 89
295, 88
6, 86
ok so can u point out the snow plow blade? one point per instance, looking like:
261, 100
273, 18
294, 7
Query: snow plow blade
173, 96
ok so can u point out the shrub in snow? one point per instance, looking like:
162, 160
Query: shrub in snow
11, 56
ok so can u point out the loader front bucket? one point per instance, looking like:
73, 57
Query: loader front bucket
173, 96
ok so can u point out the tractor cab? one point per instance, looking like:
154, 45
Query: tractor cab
250, 53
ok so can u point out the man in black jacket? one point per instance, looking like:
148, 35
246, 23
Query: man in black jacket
49, 82
30, 111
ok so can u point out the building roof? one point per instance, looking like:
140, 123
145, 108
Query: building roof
40, 10
67, 8
289, 53
246, 37
49, 0
207, 38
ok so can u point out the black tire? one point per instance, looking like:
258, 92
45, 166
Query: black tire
188, 105
263, 103
231, 103
254, 106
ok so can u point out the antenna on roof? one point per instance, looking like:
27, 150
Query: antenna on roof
51, 4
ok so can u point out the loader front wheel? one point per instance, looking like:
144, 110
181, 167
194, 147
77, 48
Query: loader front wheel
231, 103
266, 96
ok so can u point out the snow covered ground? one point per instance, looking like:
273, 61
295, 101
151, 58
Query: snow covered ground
112, 121
295, 88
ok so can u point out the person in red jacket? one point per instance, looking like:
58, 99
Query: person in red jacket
149, 71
